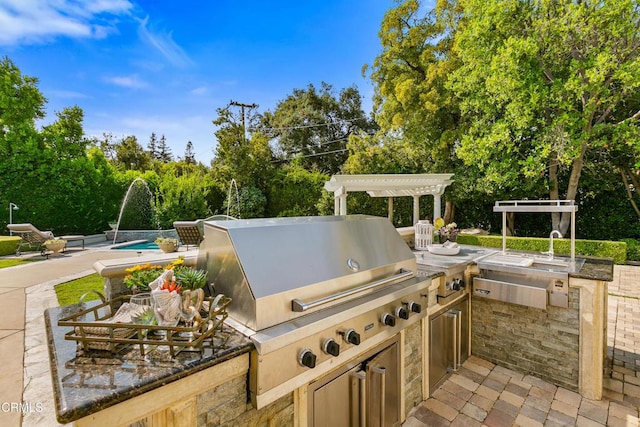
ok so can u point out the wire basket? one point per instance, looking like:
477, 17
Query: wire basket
100, 328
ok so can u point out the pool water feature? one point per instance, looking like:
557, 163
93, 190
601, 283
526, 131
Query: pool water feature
137, 246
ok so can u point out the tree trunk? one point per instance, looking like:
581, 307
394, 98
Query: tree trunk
624, 173
562, 221
449, 212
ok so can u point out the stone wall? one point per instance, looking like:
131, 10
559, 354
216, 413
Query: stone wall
413, 366
227, 405
543, 343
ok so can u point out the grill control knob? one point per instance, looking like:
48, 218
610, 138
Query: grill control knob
457, 284
307, 358
413, 306
402, 313
388, 320
351, 336
330, 346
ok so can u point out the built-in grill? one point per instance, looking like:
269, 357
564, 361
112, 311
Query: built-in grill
312, 293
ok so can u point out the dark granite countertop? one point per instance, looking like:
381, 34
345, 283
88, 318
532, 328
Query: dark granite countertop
87, 382
595, 269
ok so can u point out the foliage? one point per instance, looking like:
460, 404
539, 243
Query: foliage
412, 101
131, 156
69, 293
598, 248
140, 276
253, 203
295, 191
312, 126
545, 83
9, 244
182, 197
21, 104
247, 160
190, 278
65, 136
633, 249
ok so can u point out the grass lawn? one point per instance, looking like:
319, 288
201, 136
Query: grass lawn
70, 292
11, 262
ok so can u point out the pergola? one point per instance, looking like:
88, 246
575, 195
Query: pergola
391, 185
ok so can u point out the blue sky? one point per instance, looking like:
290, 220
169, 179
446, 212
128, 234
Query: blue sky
137, 67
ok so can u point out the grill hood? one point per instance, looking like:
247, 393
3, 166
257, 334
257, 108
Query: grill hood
266, 264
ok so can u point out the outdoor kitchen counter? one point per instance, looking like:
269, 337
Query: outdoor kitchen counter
600, 269
87, 383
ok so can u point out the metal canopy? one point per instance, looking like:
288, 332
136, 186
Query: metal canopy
390, 185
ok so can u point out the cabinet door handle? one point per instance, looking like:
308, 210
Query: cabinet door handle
382, 372
359, 399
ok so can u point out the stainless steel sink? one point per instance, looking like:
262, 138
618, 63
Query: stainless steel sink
532, 264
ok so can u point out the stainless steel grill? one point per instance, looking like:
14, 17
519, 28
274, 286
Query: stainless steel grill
312, 292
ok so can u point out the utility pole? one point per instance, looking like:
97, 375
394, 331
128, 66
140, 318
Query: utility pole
242, 107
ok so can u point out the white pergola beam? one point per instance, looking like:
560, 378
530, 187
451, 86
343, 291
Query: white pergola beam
390, 185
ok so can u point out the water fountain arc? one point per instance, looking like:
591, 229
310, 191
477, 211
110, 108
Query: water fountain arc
135, 184
233, 184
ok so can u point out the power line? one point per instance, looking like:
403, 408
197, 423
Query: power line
310, 126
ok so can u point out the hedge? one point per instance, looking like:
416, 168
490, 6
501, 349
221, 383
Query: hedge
8, 245
598, 248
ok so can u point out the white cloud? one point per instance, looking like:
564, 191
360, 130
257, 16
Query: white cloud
66, 94
37, 21
202, 90
164, 43
132, 82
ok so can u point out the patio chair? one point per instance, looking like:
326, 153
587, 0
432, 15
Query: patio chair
31, 236
191, 233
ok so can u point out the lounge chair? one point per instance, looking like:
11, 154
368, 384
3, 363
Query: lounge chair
30, 236
191, 233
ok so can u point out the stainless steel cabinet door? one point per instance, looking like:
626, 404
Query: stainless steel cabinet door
383, 388
338, 403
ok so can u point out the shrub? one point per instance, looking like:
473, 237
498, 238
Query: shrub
633, 249
598, 248
8, 244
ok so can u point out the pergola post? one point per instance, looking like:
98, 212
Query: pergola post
416, 209
437, 206
390, 207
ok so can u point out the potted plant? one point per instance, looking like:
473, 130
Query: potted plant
55, 245
167, 244
139, 276
446, 232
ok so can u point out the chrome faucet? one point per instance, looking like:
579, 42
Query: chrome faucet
557, 234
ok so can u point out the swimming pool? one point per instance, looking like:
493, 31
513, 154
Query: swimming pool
137, 246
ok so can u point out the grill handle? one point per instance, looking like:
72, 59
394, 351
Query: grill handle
299, 306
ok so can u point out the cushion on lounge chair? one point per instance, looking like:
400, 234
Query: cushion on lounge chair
30, 236
189, 232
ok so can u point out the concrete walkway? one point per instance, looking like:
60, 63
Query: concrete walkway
479, 394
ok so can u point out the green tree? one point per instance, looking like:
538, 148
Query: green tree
66, 135
545, 83
247, 160
21, 104
189, 154
164, 151
131, 155
295, 191
152, 146
314, 126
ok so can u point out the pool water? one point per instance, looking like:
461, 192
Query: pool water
139, 246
